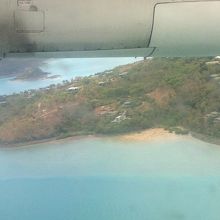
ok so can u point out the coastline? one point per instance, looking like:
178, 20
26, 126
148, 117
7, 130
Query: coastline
145, 135
43, 141
152, 134
205, 138
160, 134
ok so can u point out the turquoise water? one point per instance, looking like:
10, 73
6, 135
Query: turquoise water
104, 178
66, 69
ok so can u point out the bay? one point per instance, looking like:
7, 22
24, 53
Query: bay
106, 178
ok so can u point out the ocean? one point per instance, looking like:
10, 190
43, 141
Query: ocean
107, 178
66, 69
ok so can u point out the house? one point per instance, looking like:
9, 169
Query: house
212, 62
127, 104
214, 75
123, 74
73, 89
102, 83
213, 114
217, 120
120, 118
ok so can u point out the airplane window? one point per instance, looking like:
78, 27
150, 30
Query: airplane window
110, 138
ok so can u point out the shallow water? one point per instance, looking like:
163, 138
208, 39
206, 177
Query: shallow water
104, 178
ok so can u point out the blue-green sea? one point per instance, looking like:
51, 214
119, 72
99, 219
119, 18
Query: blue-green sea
66, 69
97, 178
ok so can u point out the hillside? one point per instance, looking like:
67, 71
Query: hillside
177, 94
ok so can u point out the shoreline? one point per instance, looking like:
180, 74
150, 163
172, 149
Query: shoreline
205, 138
152, 134
145, 135
44, 141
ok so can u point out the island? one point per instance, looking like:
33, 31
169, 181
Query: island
15, 66
30, 74
24, 69
179, 95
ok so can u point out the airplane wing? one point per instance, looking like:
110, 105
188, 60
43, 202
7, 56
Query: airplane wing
105, 28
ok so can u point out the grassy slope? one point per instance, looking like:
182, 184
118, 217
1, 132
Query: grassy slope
158, 93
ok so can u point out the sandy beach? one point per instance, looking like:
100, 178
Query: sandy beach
154, 134
149, 135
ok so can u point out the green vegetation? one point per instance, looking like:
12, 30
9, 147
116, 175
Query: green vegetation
181, 95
